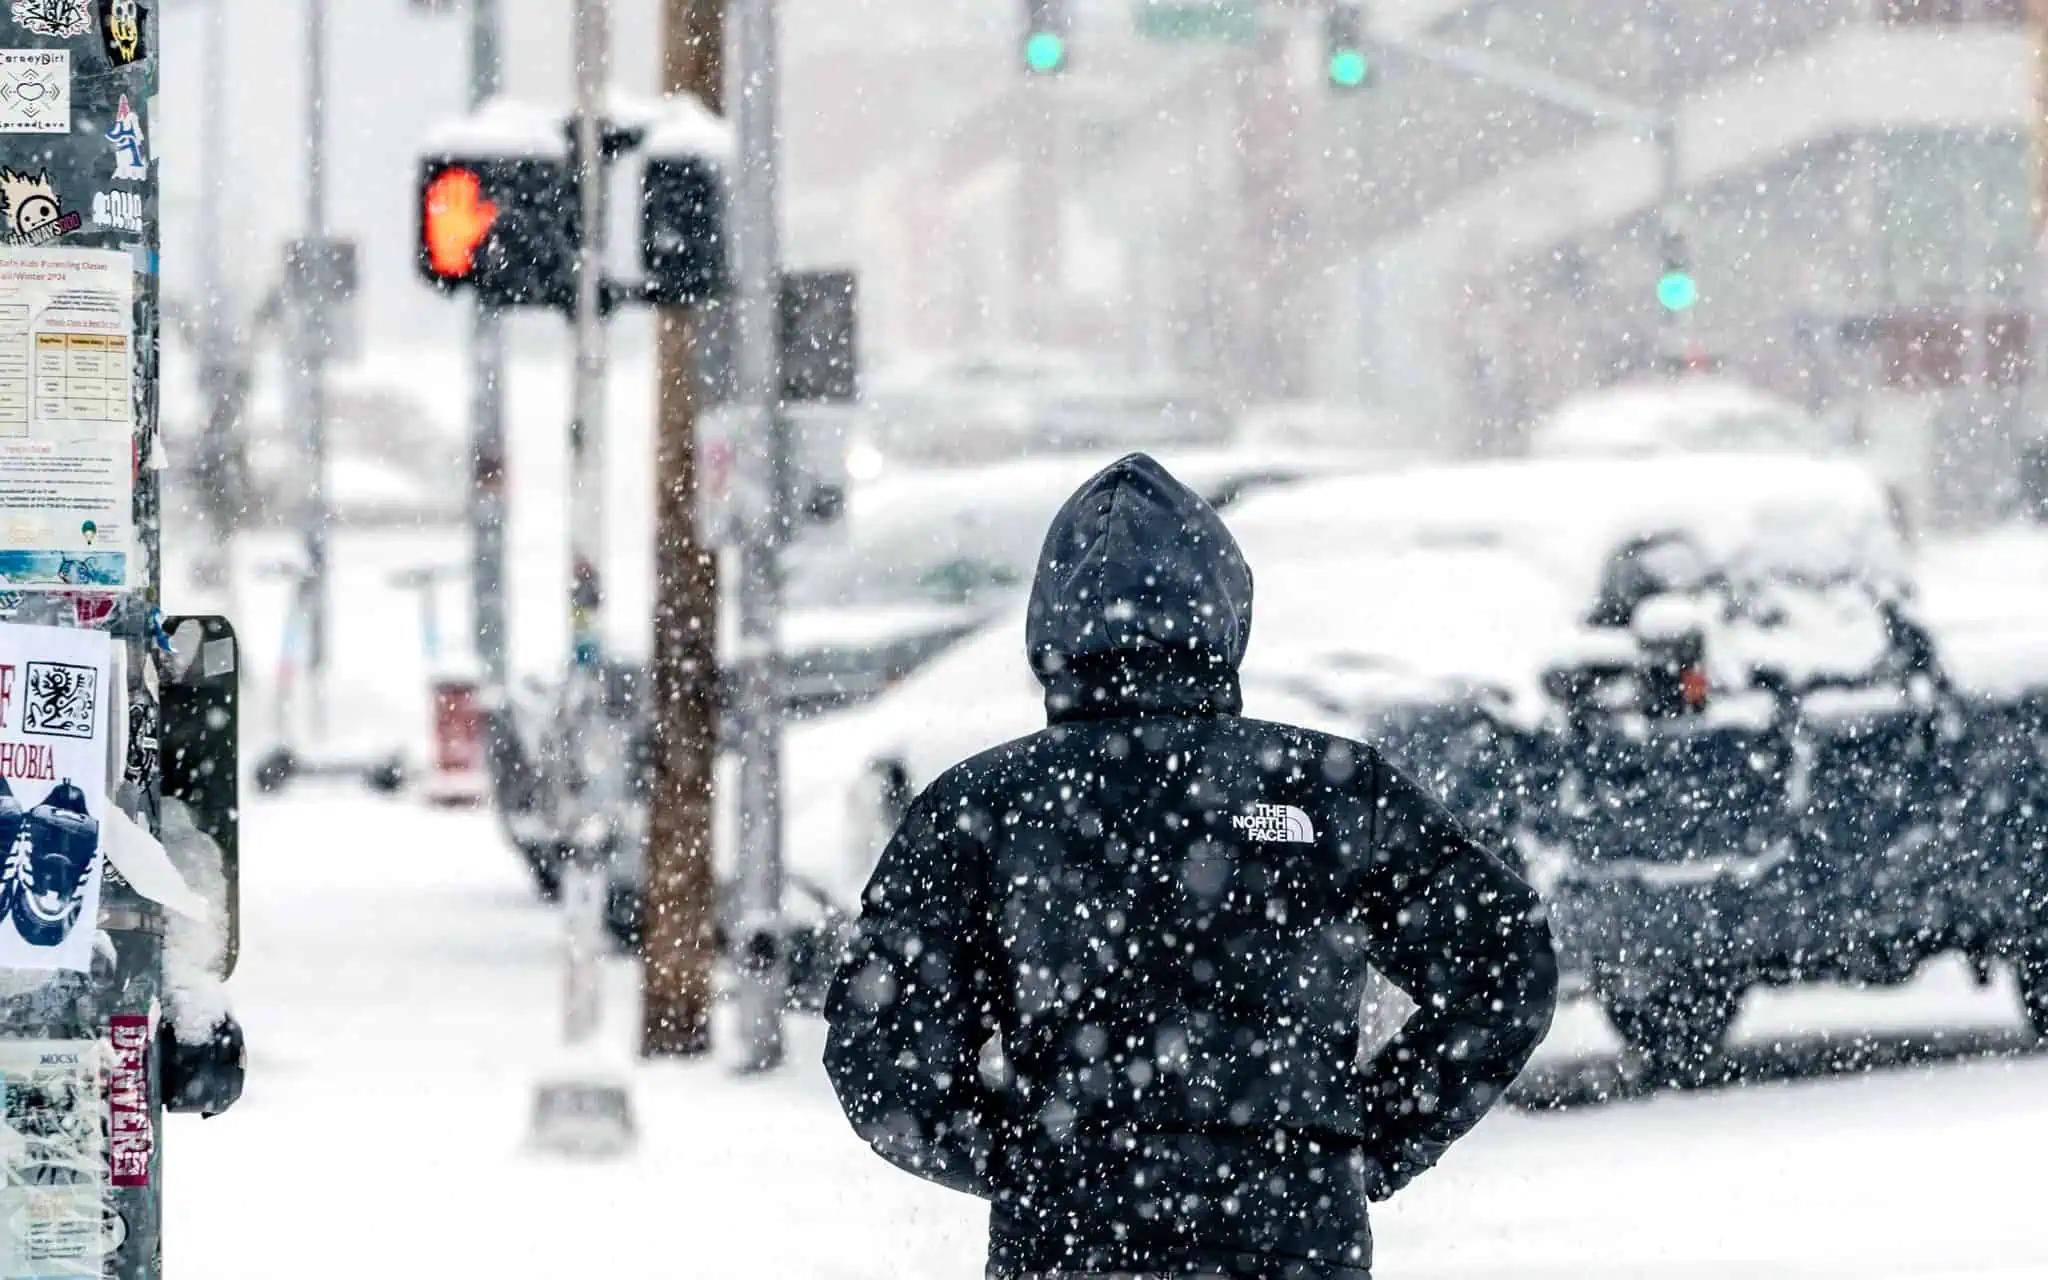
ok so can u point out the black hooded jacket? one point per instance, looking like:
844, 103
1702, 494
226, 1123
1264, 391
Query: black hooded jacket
1163, 914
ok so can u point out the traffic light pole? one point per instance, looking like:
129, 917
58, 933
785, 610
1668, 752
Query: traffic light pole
755, 86
487, 410
583, 880
310, 332
222, 373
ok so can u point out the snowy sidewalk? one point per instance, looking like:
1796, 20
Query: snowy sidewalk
400, 986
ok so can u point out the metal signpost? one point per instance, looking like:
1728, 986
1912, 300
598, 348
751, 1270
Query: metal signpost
765, 523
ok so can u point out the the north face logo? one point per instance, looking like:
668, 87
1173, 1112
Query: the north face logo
1281, 823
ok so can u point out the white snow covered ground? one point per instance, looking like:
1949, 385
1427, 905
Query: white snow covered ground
400, 988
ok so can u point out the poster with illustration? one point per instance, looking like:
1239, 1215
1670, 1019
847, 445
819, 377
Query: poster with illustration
55, 700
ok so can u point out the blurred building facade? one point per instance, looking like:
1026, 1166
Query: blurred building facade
1858, 191
1857, 195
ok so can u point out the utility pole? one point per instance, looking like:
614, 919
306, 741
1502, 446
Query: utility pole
679, 913
487, 408
754, 87
309, 358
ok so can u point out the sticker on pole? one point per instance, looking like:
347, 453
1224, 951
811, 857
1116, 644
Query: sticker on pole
67, 419
53, 1171
35, 91
54, 701
61, 18
130, 1138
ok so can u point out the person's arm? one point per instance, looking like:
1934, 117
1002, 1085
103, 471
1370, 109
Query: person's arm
909, 1010
1467, 940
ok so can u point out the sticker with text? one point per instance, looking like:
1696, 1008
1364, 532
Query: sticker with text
30, 211
35, 91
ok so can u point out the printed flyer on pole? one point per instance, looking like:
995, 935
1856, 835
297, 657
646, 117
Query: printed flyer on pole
56, 696
67, 417
55, 1222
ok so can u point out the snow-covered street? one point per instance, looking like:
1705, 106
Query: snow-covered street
401, 987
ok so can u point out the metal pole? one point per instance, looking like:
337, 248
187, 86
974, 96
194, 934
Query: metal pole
487, 408
1671, 226
311, 357
753, 91
583, 880
219, 372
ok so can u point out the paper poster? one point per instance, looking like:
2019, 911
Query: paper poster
53, 1214
56, 696
67, 418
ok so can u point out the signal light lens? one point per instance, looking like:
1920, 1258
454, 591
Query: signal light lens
1045, 52
1348, 68
459, 218
1678, 291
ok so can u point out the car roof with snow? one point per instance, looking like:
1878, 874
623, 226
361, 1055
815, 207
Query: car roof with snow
1409, 584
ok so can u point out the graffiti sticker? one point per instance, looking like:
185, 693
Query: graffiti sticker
35, 91
121, 210
121, 31
61, 18
32, 213
131, 162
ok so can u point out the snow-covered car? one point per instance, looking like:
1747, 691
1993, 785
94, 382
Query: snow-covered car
1696, 693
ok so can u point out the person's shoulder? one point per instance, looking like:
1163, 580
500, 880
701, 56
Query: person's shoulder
1330, 748
996, 767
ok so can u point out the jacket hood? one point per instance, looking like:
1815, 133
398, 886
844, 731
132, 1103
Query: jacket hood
1142, 603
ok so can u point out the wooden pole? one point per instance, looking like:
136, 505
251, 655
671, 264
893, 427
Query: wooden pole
680, 912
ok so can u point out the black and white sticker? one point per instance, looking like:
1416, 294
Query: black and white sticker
35, 91
61, 18
121, 210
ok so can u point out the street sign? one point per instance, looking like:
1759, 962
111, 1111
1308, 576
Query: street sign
1223, 20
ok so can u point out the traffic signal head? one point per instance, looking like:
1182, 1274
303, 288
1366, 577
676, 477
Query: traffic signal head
1347, 64
507, 227
682, 230
1045, 37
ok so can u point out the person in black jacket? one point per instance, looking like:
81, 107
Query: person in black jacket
1109, 977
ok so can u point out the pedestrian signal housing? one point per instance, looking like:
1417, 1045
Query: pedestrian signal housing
507, 228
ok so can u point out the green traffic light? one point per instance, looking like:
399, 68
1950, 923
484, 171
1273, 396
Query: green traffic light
1045, 52
1678, 291
1348, 68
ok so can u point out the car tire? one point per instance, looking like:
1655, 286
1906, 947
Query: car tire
1676, 1026
2031, 969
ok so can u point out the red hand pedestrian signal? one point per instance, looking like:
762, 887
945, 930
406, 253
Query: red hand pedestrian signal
458, 218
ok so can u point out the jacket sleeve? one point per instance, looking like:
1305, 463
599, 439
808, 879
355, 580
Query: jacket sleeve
909, 1011
1467, 940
